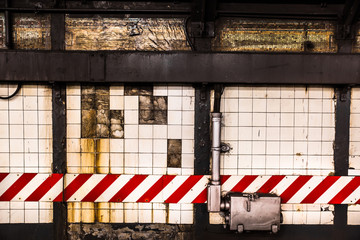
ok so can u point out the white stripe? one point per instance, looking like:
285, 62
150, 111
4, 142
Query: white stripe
333, 190
257, 184
8, 181
54, 191
30, 187
114, 188
69, 178
142, 188
195, 191
86, 187
283, 185
306, 189
231, 183
170, 189
354, 196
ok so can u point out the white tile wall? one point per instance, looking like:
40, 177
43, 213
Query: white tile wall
26, 145
354, 150
287, 130
142, 151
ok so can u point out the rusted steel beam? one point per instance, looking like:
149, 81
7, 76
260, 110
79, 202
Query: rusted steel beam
179, 67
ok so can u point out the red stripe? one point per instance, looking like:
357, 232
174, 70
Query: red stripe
128, 188
156, 188
44, 187
244, 183
2, 176
201, 198
358, 202
224, 178
183, 189
270, 184
320, 189
346, 191
294, 187
72, 187
17, 186
100, 188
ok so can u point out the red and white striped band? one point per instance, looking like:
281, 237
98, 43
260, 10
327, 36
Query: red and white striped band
172, 189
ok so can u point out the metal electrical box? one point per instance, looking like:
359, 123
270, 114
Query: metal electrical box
248, 212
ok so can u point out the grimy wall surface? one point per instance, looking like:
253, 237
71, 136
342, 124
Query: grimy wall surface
153, 128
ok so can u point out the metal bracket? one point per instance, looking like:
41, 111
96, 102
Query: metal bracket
224, 148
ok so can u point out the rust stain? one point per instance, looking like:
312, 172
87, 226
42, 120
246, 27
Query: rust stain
298, 154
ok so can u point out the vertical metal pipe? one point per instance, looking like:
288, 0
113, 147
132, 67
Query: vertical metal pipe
216, 126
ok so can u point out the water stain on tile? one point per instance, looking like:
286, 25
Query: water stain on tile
146, 90
174, 153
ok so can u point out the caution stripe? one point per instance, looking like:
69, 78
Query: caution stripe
173, 189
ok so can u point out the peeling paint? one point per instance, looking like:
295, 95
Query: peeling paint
31, 31
104, 33
259, 35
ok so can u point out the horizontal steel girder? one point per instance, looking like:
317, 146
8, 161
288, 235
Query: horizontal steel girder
179, 67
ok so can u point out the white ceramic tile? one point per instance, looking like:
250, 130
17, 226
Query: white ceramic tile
73, 90
188, 103
17, 213
16, 103
131, 117
45, 145
44, 90
187, 146
30, 103
160, 146
231, 105
159, 161
30, 117
131, 145
16, 131
16, 145
72, 130
159, 131
45, 103
273, 119
259, 92
131, 160
259, 105
174, 103
45, 117
131, 102
174, 117
131, 131
30, 90
301, 105
30, 131
4, 145
231, 92
116, 90
145, 145
16, 117
174, 90
315, 105
174, 132
145, 131
273, 92
188, 90
188, 117
72, 116
187, 132
259, 119
231, 133
245, 105
116, 102
287, 92
73, 102
160, 90
287, 105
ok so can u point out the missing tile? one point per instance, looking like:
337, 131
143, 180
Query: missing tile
116, 123
146, 90
174, 153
